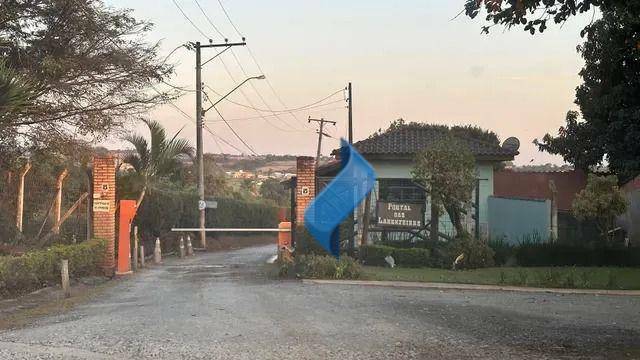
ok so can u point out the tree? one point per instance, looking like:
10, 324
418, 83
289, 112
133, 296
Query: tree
92, 66
601, 200
609, 101
447, 172
534, 15
157, 162
609, 98
272, 189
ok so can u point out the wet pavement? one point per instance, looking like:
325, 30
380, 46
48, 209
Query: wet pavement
222, 306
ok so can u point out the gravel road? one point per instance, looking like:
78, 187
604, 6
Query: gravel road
221, 306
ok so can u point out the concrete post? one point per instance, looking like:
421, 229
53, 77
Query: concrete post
157, 253
134, 256
189, 246
20, 200
57, 208
181, 247
141, 256
64, 273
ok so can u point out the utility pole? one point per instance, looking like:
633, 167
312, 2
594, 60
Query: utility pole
350, 114
321, 133
199, 125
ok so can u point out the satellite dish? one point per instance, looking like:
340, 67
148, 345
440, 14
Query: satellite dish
512, 144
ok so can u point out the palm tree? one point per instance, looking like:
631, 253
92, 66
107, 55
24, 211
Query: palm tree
16, 93
159, 160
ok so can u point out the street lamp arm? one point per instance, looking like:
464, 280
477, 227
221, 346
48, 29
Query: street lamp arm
261, 77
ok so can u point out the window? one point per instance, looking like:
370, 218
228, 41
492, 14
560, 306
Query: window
401, 190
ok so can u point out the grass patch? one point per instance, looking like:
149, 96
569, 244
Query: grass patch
553, 277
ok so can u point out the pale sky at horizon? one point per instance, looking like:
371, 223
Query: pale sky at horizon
405, 59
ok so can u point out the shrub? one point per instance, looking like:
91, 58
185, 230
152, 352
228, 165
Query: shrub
477, 253
411, 257
160, 211
325, 267
306, 244
504, 253
375, 255
33, 270
553, 254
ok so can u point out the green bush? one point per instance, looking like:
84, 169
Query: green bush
554, 254
504, 252
375, 255
477, 253
306, 244
325, 267
33, 270
162, 210
411, 257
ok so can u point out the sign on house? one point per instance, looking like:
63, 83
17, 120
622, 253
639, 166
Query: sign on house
400, 215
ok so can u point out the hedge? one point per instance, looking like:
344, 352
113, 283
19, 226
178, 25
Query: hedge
375, 255
36, 269
552, 254
160, 211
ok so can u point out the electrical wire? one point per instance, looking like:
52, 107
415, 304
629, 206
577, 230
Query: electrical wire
229, 18
234, 132
257, 92
209, 20
304, 107
259, 117
255, 60
189, 19
189, 117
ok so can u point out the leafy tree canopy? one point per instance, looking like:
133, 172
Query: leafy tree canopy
609, 101
535, 15
88, 66
447, 172
600, 200
606, 129
465, 131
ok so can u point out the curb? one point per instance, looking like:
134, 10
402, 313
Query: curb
473, 287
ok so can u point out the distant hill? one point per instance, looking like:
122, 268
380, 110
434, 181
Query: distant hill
259, 163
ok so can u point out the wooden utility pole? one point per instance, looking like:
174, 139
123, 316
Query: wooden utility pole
321, 133
350, 103
200, 125
20, 200
57, 208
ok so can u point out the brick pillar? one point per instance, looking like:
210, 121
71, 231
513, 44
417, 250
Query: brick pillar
305, 185
104, 207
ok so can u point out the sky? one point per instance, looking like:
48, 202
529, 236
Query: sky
410, 59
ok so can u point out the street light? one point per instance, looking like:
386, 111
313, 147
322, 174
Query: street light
260, 77
199, 148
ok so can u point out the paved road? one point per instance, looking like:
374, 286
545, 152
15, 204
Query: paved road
220, 306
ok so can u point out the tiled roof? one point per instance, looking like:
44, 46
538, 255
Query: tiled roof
411, 140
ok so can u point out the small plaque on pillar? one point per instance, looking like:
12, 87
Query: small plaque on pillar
305, 190
101, 205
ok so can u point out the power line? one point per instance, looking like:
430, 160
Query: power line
304, 107
255, 60
209, 20
189, 117
259, 117
229, 18
257, 92
234, 132
189, 20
